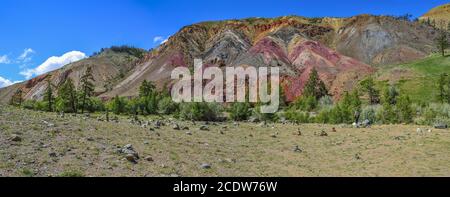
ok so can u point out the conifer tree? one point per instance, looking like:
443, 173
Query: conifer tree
48, 97
315, 87
442, 42
67, 95
86, 87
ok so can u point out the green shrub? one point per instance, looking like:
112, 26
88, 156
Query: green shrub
370, 113
298, 116
167, 106
29, 104
240, 111
200, 111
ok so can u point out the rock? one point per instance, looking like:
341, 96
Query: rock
440, 126
131, 158
273, 136
52, 154
129, 151
236, 124
221, 132
299, 132
185, 128
297, 149
205, 166
204, 128
358, 156
176, 127
158, 124
334, 130
146, 143
263, 124
188, 133
150, 159
419, 131
323, 134
253, 120
16, 138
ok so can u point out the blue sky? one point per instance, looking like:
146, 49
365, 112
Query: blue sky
41, 35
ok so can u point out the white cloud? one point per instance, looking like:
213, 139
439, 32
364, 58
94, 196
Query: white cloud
25, 56
4, 59
54, 63
160, 39
5, 82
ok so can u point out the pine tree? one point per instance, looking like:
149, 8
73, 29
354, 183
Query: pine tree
87, 87
48, 97
442, 42
315, 87
443, 88
368, 86
16, 99
405, 111
146, 89
67, 95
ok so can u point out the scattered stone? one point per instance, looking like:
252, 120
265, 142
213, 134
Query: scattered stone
273, 136
334, 130
299, 132
131, 154
253, 120
204, 128
205, 166
185, 128
146, 142
440, 126
221, 132
188, 133
176, 127
52, 154
16, 138
131, 158
236, 124
358, 156
297, 149
323, 134
149, 159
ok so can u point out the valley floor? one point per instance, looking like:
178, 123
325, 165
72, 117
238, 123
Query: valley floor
44, 144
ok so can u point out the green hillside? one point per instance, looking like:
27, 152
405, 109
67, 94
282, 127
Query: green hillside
417, 79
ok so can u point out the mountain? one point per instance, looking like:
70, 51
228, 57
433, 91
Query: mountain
343, 50
440, 16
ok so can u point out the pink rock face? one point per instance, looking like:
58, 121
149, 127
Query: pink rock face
328, 63
270, 50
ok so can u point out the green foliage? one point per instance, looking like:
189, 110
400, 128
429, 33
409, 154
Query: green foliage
444, 88
297, 116
305, 103
16, 99
67, 97
314, 86
405, 111
29, 104
240, 111
117, 105
87, 88
48, 96
368, 86
166, 106
137, 52
442, 42
200, 111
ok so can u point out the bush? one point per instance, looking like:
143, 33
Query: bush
29, 104
167, 106
370, 113
298, 116
200, 111
117, 105
325, 102
305, 103
240, 111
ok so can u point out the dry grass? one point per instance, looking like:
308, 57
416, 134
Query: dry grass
88, 148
